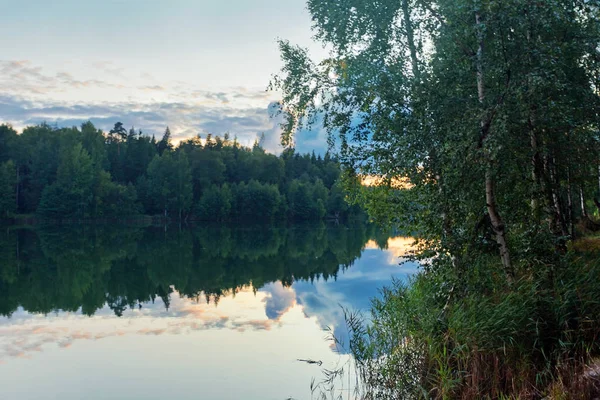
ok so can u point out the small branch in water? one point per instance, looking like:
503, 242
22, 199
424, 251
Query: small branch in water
319, 363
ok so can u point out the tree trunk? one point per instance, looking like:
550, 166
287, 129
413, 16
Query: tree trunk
498, 225
584, 213
410, 37
562, 224
490, 190
18, 256
570, 203
533, 137
535, 161
557, 221
596, 201
480, 83
17, 189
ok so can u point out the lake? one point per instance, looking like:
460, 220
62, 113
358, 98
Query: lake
219, 312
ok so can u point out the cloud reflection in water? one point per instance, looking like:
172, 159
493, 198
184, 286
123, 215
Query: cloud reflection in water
25, 334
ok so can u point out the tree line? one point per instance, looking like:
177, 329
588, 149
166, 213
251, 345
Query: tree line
84, 173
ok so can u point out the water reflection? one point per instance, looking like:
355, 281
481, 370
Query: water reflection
85, 268
96, 287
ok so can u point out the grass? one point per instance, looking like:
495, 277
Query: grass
587, 244
469, 335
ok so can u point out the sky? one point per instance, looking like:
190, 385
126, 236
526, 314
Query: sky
197, 66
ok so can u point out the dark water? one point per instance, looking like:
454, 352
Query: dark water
198, 313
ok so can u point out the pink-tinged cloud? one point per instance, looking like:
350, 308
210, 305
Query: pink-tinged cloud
28, 336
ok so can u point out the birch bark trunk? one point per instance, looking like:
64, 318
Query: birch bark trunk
498, 225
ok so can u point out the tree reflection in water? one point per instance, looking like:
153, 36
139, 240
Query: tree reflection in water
87, 267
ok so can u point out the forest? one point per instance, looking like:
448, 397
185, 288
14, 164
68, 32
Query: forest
481, 119
84, 174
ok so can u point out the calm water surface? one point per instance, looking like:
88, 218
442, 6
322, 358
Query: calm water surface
200, 313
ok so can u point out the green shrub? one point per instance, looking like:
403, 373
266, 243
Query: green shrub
482, 339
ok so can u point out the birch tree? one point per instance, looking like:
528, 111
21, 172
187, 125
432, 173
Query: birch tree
480, 105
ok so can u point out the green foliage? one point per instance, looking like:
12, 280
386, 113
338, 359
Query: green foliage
72, 194
307, 200
215, 204
466, 102
478, 122
8, 181
93, 142
113, 199
256, 201
8, 138
168, 188
490, 340
75, 170
84, 173
208, 168
37, 157
139, 152
165, 143
57, 203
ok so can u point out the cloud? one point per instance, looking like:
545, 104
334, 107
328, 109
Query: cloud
279, 301
306, 139
354, 289
153, 332
29, 95
18, 77
109, 68
185, 120
153, 88
26, 334
22, 70
314, 139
